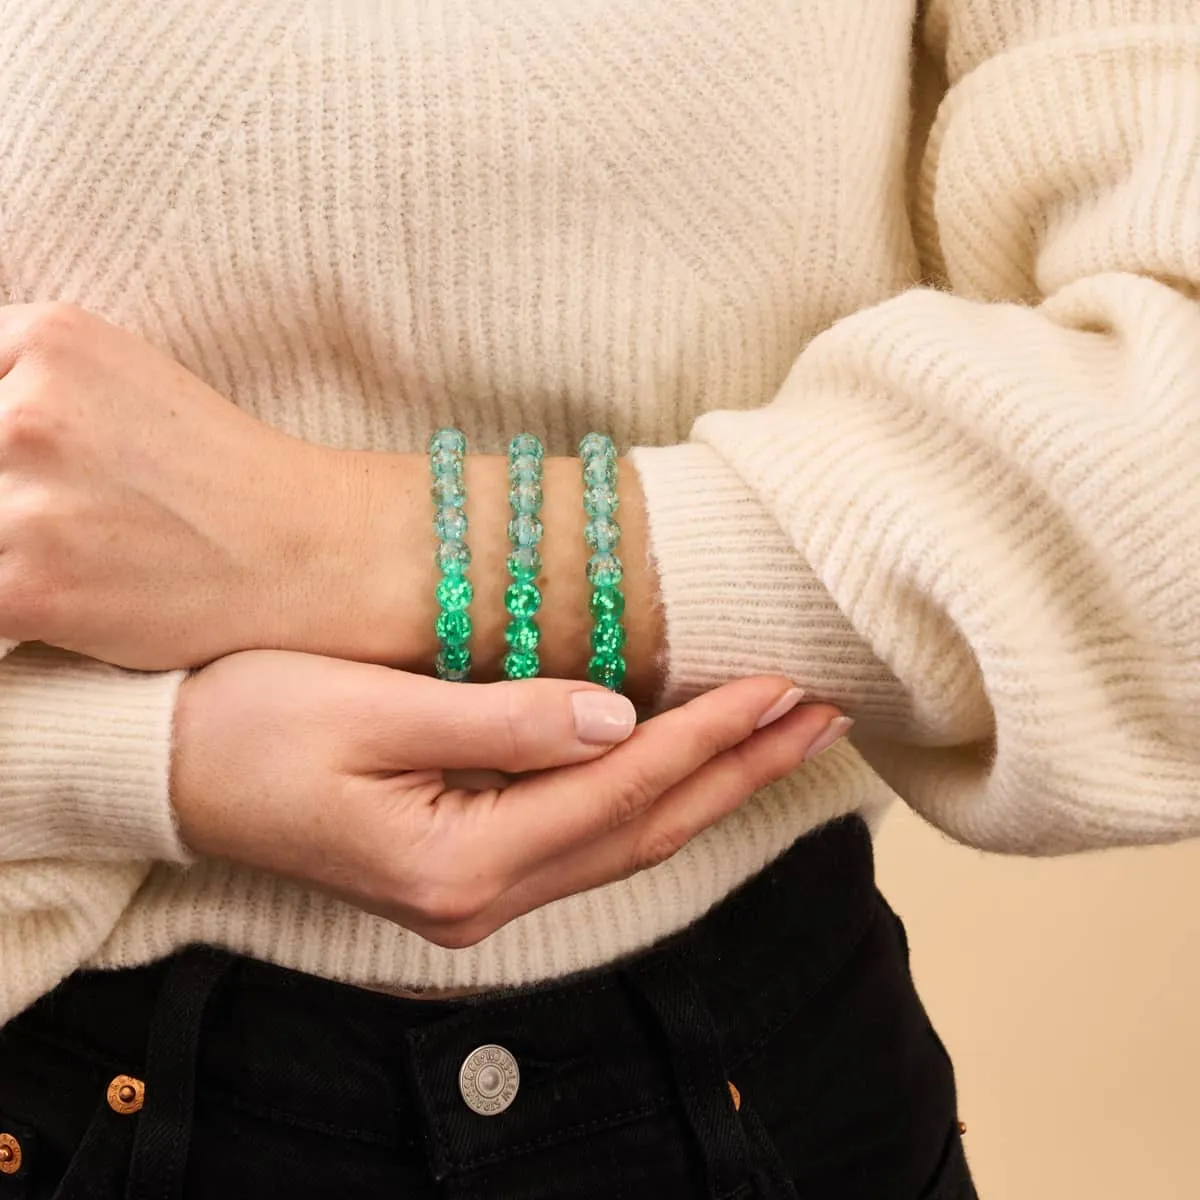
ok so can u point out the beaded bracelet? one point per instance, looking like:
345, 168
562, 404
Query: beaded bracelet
602, 533
454, 592
523, 597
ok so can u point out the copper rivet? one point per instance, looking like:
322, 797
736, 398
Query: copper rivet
737, 1097
10, 1154
126, 1095
962, 1127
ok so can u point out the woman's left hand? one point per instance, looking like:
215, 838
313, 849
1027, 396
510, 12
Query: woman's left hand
144, 519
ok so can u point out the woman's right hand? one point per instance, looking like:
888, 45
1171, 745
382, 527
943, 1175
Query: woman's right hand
341, 775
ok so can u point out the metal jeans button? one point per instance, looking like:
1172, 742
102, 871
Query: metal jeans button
488, 1080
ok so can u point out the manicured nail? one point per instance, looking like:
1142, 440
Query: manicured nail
833, 732
602, 718
781, 707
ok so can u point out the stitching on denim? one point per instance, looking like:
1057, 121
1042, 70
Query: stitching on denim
271, 1113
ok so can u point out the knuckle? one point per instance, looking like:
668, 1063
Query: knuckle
517, 728
656, 846
52, 327
636, 794
26, 424
450, 905
457, 936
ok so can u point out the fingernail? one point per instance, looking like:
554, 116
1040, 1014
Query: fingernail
602, 718
781, 707
833, 732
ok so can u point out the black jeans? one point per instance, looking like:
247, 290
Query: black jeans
259, 1080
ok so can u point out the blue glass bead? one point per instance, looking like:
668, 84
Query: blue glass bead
454, 627
604, 571
600, 473
594, 445
600, 502
453, 558
523, 635
522, 599
524, 563
524, 468
445, 462
450, 524
455, 592
453, 440
607, 602
602, 535
443, 664
608, 670
448, 491
608, 636
525, 499
526, 445
521, 664
525, 531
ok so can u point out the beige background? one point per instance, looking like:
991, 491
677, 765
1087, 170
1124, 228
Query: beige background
1068, 991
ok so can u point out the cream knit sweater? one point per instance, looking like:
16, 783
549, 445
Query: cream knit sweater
912, 371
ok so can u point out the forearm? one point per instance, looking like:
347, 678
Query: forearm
390, 546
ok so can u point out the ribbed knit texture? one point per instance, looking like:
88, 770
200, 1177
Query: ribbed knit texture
916, 409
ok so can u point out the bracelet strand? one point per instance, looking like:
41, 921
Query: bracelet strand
602, 533
523, 597
447, 448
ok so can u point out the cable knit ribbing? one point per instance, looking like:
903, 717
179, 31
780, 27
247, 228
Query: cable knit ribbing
966, 514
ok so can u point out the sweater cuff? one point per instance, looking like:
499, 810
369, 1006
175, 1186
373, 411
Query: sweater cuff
738, 599
85, 754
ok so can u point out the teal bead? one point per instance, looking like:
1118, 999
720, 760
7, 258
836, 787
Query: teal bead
525, 445
604, 571
453, 658
593, 445
448, 491
521, 664
602, 535
524, 468
523, 635
600, 473
525, 499
449, 673
454, 627
455, 592
607, 602
608, 636
608, 670
522, 599
525, 531
450, 439
524, 564
450, 524
445, 462
453, 558
600, 502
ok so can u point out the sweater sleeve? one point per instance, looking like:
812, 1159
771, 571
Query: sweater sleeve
971, 515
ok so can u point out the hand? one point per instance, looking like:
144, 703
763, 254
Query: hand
145, 520
335, 773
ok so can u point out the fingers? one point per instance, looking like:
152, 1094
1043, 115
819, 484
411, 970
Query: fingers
714, 791
417, 723
544, 817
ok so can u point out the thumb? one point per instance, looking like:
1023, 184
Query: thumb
524, 725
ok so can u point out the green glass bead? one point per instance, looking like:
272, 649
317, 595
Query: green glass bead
602, 535
522, 599
608, 670
600, 502
525, 499
448, 491
453, 440
594, 445
524, 564
525, 468
521, 664
607, 602
450, 524
445, 462
454, 627
599, 473
604, 571
525, 531
453, 558
608, 636
455, 592
526, 445
453, 658
523, 636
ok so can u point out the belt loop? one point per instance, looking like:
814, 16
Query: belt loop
678, 1005
158, 1162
